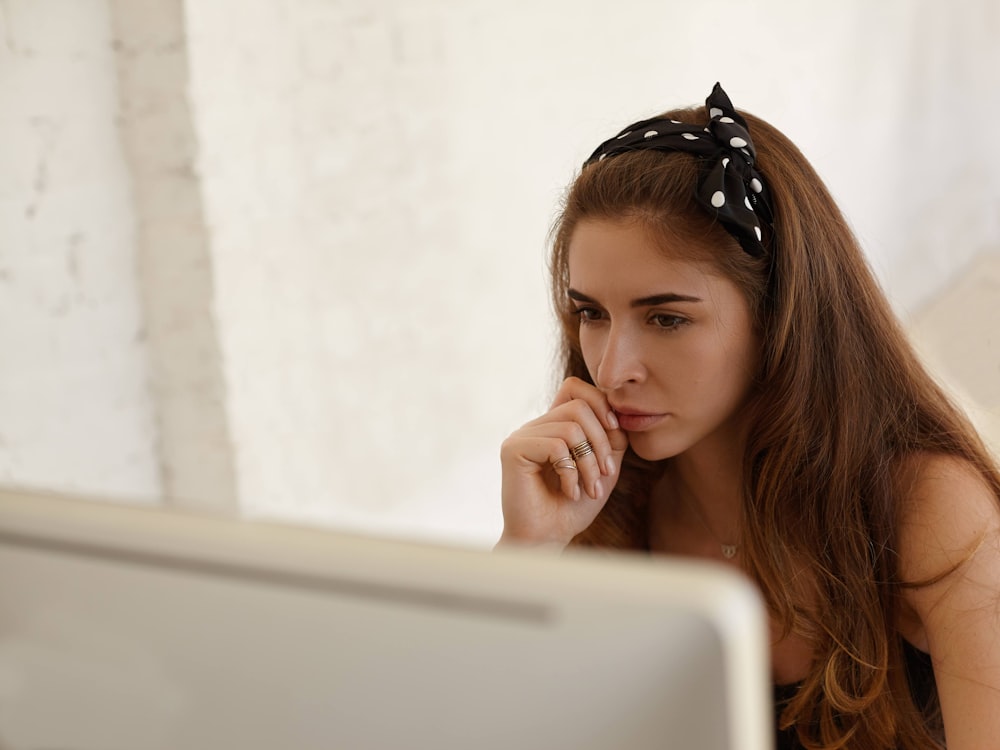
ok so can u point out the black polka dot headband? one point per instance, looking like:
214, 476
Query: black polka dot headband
731, 188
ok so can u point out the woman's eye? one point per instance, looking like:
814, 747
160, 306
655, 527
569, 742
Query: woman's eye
667, 321
588, 314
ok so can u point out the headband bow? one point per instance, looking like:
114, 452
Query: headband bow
731, 188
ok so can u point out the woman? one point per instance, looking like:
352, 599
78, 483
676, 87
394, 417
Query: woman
737, 388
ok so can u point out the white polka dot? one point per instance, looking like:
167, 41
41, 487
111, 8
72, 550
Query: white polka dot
677, 122
746, 201
725, 162
718, 199
690, 136
650, 134
714, 112
755, 185
601, 157
737, 142
727, 120
627, 132
756, 230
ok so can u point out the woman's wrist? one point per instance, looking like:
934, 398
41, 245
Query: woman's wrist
512, 540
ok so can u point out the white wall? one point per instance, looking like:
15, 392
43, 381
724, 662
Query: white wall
347, 313
75, 412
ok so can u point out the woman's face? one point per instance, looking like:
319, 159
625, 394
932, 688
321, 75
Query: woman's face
669, 342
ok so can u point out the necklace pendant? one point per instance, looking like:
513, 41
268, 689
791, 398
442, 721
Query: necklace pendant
729, 551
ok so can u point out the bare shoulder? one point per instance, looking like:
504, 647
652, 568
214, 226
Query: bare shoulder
947, 514
949, 546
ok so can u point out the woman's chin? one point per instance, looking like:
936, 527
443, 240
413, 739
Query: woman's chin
651, 450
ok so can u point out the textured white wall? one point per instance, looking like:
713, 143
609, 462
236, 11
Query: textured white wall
75, 413
363, 312
348, 312
174, 255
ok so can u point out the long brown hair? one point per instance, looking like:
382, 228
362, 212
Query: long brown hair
840, 402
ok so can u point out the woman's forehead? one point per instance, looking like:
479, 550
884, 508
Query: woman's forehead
609, 254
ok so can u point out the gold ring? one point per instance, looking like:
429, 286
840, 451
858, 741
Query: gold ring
581, 450
564, 463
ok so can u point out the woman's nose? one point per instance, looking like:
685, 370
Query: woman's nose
621, 361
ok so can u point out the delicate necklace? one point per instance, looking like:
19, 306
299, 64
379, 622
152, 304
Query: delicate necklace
728, 550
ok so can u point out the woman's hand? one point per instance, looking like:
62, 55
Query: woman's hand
546, 501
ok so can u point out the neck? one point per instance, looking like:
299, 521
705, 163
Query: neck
710, 477
714, 502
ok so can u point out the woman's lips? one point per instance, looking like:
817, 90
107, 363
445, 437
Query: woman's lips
636, 421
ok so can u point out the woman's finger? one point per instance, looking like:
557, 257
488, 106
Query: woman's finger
583, 440
569, 476
604, 441
575, 388
544, 455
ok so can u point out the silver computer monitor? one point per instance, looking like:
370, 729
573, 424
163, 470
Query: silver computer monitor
139, 629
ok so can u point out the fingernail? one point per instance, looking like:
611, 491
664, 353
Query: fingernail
576, 492
598, 490
609, 464
612, 420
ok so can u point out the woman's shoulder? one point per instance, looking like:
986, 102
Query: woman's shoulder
946, 511
949, 560
931, 483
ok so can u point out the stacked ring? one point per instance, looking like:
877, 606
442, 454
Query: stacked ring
581, 450
564, 463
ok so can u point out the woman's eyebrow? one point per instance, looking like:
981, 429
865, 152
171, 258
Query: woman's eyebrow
659, 299
651, 301
580, 297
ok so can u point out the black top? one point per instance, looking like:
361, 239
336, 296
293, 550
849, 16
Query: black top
919, 673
